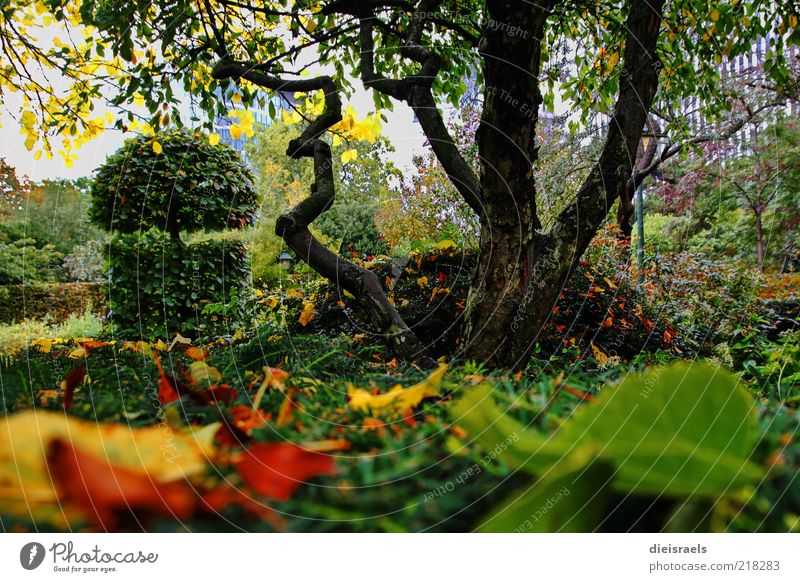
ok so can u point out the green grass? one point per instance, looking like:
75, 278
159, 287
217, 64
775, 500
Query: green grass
413, 473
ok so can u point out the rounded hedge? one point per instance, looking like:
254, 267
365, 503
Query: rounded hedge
189, 185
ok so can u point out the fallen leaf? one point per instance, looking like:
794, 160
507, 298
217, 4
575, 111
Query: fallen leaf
105, 493
398, 398
276, 470
28, 492
307, 314
70, 381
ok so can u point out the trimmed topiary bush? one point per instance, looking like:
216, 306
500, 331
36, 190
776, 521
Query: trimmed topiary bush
147, 194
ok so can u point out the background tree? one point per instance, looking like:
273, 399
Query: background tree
624, 54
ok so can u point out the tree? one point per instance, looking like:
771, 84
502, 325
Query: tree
626, 56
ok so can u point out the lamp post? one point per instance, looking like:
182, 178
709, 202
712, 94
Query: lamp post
286, 260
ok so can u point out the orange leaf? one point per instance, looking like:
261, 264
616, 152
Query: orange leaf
276, 470
285, 413
106, 493
246, 419
196, 354
71, 380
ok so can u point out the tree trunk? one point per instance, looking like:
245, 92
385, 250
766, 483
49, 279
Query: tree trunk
506, 143
760, 247
522, 270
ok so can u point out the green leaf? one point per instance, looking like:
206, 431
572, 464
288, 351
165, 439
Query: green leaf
685, 431
571, 498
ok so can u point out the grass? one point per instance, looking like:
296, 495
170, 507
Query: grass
409, 471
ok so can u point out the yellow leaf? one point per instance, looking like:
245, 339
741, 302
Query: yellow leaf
213, 138
422, 281
602, 358
236, 131
610, 283
793, 20
349, 156
715, 15
201, 372
398, 398
25, 437
46, 344
308, 313
445, 245
157, 147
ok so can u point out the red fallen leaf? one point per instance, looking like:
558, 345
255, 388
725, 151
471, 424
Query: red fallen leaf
560, 328
442, 277
608, 322
582, 395
667, 337
226, 496
70, 381
276, 470
167, 386
229, 435
106, 493
408, 418
166, 391
90, 345
222, 393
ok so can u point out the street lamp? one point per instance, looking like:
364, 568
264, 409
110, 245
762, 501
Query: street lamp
286, 260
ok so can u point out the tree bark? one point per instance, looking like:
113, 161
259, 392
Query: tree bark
522, 270
760, 247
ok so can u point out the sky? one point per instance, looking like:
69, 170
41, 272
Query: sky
404, 134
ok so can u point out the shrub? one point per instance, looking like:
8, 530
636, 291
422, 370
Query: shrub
601, 306
190, 186
159, 284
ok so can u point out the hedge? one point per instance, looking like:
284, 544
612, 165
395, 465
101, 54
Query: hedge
54, 301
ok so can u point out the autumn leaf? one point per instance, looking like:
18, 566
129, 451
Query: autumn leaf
196, 354
286, 411
602, 358
201, 373
349, 155
213, 138
273, 378
25, 437
157, 147
276, 470
398, 398
46, 344
104, 492
307, 314
70, 381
